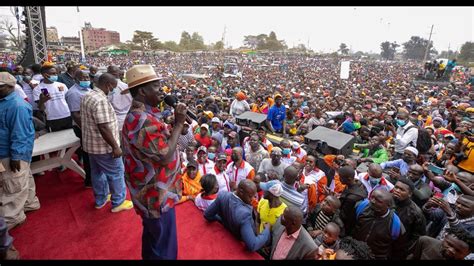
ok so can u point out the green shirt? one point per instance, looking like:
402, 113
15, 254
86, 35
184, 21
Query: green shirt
379, 156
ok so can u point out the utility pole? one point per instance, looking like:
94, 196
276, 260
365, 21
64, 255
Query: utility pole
83, 57
427, 46
449, 52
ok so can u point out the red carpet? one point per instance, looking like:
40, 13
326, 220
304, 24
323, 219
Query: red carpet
69, 227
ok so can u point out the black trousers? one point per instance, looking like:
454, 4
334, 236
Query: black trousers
59, 124
85, 157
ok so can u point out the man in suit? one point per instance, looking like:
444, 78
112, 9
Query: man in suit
290, 240
234, 211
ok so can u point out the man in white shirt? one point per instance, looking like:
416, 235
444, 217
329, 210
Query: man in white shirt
120, 102
205, 165
220, 172
406, 134
51, 98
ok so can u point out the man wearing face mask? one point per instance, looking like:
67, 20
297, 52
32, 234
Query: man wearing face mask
101, 140
286, 158
405, 135
120, 101
373, 179
408, 158
51, 98
205, 166
73, 99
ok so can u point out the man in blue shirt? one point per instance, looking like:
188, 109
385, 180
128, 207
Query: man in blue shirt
276, 116
73, 98
17, 135
235, 212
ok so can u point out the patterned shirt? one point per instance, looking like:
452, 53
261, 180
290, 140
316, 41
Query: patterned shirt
154, 188
95, 110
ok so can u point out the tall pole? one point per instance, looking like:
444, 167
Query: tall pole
83, 57
428, 46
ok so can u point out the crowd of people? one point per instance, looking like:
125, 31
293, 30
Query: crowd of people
406, 191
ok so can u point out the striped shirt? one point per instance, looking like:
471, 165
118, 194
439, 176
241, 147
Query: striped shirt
321, 221
290, 196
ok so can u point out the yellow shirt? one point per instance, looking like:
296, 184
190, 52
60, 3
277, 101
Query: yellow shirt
267, 214
469, 163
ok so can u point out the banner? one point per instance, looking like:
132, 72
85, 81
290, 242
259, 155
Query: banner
345, 68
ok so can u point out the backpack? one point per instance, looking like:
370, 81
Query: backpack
395, 228
423, 142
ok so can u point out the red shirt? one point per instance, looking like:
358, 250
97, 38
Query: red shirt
205, 141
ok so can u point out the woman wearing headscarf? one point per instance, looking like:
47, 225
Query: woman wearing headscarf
239, 105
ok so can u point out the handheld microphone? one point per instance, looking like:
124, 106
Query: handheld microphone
172, 101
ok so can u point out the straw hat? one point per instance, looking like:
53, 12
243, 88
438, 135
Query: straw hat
138, 75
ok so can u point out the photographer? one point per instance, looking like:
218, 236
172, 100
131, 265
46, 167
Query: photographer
465, 158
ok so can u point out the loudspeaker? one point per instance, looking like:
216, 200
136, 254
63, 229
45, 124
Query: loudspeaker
251, 119
329, 141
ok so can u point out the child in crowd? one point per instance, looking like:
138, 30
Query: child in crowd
328, 241
210, 188
324, 213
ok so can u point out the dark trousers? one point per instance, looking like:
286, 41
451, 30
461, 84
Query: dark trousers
59, 124
85, 157
159, 239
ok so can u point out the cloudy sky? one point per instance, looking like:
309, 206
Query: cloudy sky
361, 28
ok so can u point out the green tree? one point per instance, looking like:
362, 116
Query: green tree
388, 50
467, 52
197, 42
185, 41
273, 44
343, 49
145, 40
219, 45
415, 48
171, 46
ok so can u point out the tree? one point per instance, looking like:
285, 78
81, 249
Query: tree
388, 50
7, 25
448, 54
197, 42
219, 45
145, 40
467, 52
171, 46
415, 48
185, 41
251, 41
343, 49
273, 44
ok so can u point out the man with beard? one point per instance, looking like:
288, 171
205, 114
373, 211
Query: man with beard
373, 179
255, 153
457, 244
273, 167
205, 166
409, 213
379, 226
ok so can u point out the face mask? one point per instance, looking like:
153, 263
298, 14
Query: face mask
19, 78
401, 122
211, 155
286, 151
53, 78
85, 84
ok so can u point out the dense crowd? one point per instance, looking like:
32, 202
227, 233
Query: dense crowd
406, 191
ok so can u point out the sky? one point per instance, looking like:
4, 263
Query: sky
324, 28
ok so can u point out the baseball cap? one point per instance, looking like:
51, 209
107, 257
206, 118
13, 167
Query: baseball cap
206, 126
276, 151
229, 125
221, 157
7, 79
273, 186
192, 163
215, 120
202, 148
277, 95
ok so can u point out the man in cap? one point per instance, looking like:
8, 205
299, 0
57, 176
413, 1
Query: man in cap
149, 144
101, 140
276, 118
205, 166
203, 137
16, 146
220, 172
68, 77
120, 101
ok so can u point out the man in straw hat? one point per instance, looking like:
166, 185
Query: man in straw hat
152, 162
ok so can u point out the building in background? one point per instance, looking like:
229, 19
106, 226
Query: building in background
95, 38
71, 42
52, 37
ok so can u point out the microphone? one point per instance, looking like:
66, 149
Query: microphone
172, 101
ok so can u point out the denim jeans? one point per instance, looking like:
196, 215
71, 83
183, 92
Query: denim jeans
159, 238
107, 175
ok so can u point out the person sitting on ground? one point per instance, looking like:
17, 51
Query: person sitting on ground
409, 213
328, 241
191, 182
457, 244
210, 188
290, 241
324, 213
270, 207
234, 211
